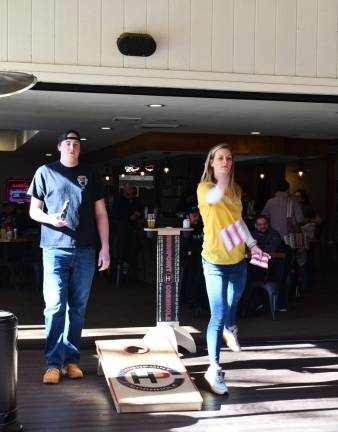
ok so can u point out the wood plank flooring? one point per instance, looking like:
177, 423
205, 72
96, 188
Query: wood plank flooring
272, 388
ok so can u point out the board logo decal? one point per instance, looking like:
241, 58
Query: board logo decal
152, 378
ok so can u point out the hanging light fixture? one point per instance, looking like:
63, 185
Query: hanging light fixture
15, 82
300, 169
149, 168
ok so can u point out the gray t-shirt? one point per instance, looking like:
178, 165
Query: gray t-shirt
276, 210
55, 183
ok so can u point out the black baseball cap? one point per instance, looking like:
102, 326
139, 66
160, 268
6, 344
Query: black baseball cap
65, 134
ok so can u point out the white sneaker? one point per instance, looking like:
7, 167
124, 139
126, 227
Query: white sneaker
214, 377
230, 338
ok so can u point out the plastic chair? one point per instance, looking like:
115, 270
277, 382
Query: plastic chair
270, 280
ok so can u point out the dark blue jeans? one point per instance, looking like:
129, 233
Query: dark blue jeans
225, 286
68, 275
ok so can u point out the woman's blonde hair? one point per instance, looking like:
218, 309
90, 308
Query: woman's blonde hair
208, 173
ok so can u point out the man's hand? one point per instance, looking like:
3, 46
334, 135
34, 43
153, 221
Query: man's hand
104, 259
36, 213
55, 220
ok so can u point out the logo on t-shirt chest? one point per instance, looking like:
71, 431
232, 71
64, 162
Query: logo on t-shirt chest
82, 180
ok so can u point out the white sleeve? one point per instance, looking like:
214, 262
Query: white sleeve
214, 195
249, 240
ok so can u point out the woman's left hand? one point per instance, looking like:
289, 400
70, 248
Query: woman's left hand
255, 250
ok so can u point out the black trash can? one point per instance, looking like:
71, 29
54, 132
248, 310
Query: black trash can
8, 372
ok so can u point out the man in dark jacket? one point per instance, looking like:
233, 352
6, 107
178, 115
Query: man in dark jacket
268, 239
193, 291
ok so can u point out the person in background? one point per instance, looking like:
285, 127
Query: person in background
8, 215
276, 209
268, 239
311, 228
223, 255
248, 204
126, 219
23, 222
192, 280
68, 245
309, 213
128, 206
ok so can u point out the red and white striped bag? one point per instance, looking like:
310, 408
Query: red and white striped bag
233, 235
262, 261
237, 233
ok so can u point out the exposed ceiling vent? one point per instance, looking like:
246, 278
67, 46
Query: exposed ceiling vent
160, 125
125, 118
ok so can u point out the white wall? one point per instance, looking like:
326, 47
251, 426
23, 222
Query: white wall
271, 45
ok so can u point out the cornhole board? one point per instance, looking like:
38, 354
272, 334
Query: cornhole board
146, 376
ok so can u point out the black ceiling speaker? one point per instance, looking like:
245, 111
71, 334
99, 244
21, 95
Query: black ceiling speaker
136, 44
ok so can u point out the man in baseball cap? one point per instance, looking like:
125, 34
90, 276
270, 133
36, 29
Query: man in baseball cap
68, 240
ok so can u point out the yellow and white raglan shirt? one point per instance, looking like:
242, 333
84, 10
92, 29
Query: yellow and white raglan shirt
216, 219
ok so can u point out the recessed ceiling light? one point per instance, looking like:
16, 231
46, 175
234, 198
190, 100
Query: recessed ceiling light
255, 133
49, 154
155, 105
83, 139
105, 128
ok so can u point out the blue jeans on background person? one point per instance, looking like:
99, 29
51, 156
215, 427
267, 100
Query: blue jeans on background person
68, 275
225, 286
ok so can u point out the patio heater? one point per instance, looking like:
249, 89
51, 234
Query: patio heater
12, 82
8, 372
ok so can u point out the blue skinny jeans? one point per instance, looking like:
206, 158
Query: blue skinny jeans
225, 285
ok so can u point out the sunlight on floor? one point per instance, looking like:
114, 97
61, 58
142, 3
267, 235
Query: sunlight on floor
34, 332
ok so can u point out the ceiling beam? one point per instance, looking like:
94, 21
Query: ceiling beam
180, 142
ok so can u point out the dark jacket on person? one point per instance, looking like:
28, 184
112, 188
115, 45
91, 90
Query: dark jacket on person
269, 241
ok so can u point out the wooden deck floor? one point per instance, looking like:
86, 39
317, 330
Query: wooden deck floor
272, 388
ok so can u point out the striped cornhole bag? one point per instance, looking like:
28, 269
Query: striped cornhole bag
233, 235
262, 261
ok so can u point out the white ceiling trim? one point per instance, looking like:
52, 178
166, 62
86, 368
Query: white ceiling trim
100, 75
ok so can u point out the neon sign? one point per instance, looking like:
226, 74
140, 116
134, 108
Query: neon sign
17, 190
138, 169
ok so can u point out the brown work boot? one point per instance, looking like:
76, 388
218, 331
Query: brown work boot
52, 376
73, 371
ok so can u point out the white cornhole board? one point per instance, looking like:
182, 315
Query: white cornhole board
146, 376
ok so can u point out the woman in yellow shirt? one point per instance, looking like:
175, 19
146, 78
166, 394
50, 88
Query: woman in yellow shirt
223, 255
